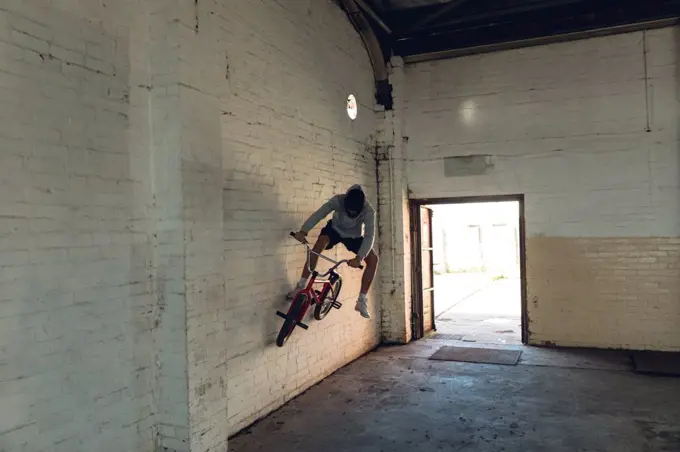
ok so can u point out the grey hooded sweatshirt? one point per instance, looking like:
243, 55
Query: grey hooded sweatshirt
345, 225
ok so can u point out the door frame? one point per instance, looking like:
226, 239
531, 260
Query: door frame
417, 323
417, 302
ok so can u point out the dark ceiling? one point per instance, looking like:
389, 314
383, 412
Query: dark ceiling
425, 27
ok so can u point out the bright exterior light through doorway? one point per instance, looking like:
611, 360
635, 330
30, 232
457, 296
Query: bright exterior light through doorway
352, 109
477, 271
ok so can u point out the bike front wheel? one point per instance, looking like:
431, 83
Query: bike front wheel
291, 320
322, 309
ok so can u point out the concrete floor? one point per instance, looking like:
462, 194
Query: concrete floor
395, 399
489, 314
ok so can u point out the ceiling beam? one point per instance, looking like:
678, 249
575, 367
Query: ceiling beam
427, 20
538, 26
379, 5
543, 40
368, 10
537, 5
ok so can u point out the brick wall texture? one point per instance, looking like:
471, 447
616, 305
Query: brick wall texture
155, 154
288, 147
395, 243
627, 289
590, 137
77, 306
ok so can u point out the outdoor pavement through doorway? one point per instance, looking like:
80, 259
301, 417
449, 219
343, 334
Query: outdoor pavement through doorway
476, 308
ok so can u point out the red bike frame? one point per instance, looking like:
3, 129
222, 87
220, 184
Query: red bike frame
312, 296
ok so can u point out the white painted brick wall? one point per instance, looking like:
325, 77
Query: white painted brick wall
168, 220
395, 242
288, 146
151, 173
566, 124
76, 372
201, 95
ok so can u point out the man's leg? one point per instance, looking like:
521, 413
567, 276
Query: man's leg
320, 245
369, 272
366, 281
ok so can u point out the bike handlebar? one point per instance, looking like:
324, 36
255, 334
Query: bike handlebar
337, 263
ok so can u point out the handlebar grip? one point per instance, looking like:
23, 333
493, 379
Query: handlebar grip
292, 234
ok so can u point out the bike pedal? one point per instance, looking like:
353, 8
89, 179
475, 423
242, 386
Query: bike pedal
337, 304
281, 314
302, 325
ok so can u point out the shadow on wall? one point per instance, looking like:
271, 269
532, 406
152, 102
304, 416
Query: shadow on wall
262, 263
257, 266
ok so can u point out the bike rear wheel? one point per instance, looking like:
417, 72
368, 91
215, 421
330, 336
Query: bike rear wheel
322, 309
292, 320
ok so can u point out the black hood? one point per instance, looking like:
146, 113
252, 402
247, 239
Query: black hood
354, 201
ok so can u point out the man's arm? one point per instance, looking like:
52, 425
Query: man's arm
369, 237
320, 214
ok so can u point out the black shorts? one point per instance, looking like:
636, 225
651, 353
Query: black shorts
352, 244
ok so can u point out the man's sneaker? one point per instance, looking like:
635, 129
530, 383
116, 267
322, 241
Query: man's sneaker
362, 308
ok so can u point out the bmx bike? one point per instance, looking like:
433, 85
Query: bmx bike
324, 298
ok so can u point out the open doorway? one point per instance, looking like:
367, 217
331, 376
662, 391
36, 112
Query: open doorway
468, 269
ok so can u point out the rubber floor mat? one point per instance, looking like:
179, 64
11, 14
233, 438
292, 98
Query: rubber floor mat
658, 363
450, 337
477, 355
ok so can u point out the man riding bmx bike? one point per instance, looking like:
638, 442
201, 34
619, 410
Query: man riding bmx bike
350, 211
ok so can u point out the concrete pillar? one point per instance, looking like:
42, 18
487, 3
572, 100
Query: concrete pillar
394, 215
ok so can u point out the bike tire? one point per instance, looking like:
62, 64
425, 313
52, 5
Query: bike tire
322, 309
289, 324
